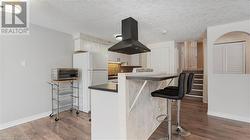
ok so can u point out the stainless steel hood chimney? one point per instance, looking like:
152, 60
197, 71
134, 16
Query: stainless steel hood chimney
129, 44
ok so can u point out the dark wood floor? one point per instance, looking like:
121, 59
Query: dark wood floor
69, 127
203, 127
193, 118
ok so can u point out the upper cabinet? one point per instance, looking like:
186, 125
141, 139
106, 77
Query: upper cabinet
87, 43
91, 44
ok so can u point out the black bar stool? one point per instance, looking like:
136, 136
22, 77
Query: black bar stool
177, 128
172, 95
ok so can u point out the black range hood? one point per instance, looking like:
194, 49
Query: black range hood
129, 44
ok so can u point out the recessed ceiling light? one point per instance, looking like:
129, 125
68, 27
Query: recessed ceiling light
118, 37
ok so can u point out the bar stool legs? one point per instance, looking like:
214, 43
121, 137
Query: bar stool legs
169, 119
177, 129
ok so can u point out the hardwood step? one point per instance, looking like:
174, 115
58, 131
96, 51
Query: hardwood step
198, 81
198, 93
198, 86
198, 76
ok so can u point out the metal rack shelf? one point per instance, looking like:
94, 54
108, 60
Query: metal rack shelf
64, 94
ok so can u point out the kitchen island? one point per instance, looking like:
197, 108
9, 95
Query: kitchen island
129, 111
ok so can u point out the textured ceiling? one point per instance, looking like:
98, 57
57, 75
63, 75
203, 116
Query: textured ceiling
182, 19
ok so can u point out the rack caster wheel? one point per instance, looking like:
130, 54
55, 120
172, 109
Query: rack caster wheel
77, 112
51, 115
56, 119
71, 110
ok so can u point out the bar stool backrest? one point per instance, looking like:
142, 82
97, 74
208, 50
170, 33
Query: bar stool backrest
181, 85
190, 82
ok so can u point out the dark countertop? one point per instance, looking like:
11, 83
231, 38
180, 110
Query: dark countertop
131, 66
111, 87
153, 77
112, 77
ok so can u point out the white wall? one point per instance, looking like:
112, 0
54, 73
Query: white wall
1, 78
228, 94
162, 57
27, 63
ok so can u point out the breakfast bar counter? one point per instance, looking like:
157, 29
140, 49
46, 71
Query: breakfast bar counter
152, 77
131, 112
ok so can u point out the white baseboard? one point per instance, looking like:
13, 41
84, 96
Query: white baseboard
24, 120
229, 116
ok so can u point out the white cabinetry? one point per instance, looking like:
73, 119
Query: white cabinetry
91, 44
105, 111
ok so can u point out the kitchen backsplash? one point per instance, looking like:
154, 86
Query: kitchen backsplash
114, 68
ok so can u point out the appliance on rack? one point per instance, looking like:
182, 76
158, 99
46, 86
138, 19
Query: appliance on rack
60, 74
93, 70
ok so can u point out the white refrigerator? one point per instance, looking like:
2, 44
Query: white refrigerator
93, 67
